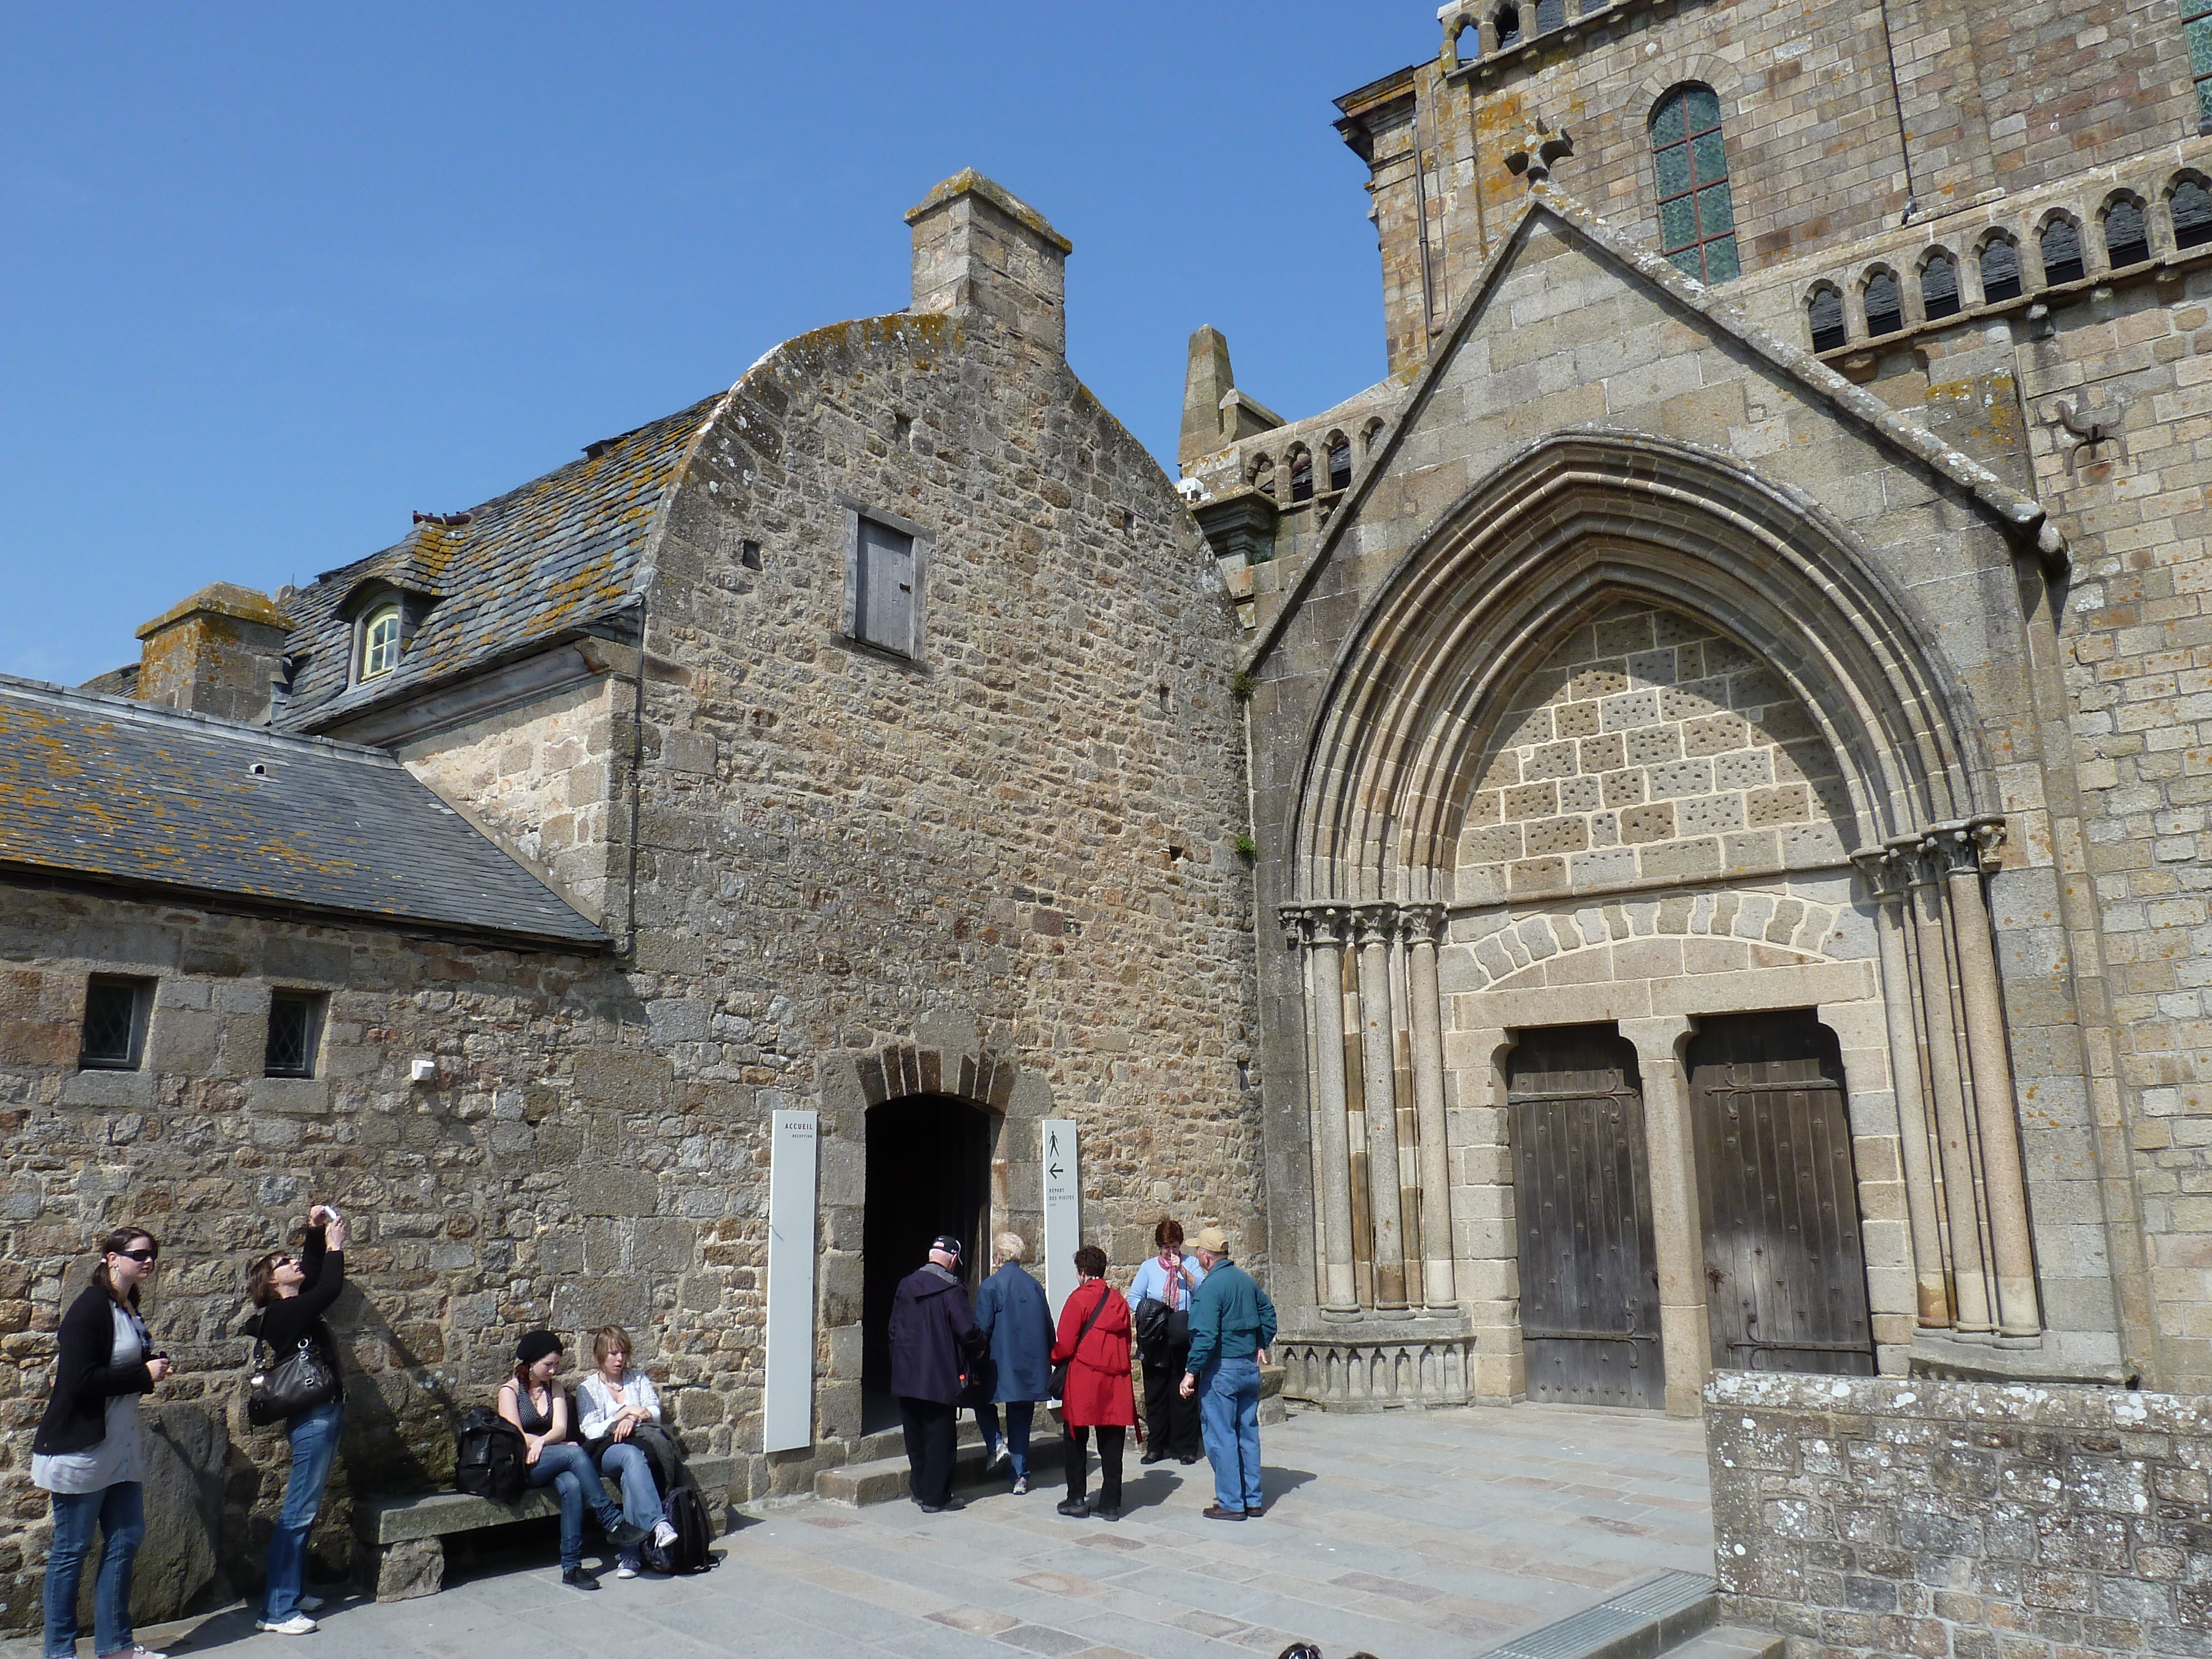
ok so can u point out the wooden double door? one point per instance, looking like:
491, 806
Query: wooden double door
1784, 1266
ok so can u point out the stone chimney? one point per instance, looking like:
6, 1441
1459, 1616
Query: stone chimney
1206, 382
979, 248
216, 653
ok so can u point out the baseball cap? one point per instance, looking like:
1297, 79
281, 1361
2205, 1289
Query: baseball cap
1212, 1239
946, 1242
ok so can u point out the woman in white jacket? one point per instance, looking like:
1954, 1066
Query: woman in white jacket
613, 1401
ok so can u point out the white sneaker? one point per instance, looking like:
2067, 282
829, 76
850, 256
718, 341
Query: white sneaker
137, 1651
998, 1455
664, 1534
298, 1625
625, 1571
1022, 1486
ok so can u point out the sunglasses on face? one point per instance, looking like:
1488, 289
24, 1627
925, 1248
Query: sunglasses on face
148, 1256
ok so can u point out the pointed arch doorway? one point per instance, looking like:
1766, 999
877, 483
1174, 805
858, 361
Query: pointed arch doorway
928, 1172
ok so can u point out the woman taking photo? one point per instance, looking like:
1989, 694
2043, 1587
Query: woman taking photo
88, 1454
294, 1292
1094, 1341
616, 1400
530, 1402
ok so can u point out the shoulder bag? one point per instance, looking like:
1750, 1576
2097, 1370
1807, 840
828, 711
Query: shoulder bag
1057, 1387
300, 1381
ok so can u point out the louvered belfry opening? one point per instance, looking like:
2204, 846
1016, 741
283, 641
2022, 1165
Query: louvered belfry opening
2127, 237
2061, 253
2000, 270
1939, 286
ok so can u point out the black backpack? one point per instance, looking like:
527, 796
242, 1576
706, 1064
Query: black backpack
490, 1458
686, 1512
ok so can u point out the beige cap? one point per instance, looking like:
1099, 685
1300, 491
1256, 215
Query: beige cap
1213, 1239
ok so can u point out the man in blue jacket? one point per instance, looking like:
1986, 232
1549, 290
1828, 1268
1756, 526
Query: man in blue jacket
1232, 1323
934, 1342
1016, 1320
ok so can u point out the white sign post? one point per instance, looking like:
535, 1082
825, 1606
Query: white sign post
787, 1409
1063, 1210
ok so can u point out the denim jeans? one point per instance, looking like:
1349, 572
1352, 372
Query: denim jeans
1020, 1414
314, 1436
120, 1511
1228, 1414
641, 1503
566, 1467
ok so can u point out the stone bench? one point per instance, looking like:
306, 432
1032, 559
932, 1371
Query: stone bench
401, 1549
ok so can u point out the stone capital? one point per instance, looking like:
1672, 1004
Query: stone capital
1375, 924
1883, 872
1422, 924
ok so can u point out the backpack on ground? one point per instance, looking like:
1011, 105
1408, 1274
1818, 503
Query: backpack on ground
685, 1512
490, 1458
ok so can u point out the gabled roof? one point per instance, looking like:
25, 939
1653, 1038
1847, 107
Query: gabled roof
2022, 515
107, 790
527, 567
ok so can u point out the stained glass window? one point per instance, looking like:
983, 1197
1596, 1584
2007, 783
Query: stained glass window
2197, 29
1697, 217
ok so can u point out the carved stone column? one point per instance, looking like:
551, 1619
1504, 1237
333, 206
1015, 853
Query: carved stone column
1677, 1229
1326, 926
1424, 929
1996, 1112
1378, 1083
1970, 1292
1886, 887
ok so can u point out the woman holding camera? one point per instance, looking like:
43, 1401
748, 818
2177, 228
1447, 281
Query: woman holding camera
294, 1292
88, 1454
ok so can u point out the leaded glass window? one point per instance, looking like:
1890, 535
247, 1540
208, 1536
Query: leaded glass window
2196, 28
295, 1020
114, 1037
1697, 217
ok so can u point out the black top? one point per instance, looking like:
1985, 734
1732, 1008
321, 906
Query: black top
284, 1322
84, 1380
535, 1419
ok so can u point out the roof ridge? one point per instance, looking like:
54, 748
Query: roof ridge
157, 714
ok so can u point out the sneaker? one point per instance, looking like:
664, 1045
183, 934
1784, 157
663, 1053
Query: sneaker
139, 1651
662, 1534
1075, 1507
627, 1535
626, 1569
577, 1578
1021, 1485
298, 1625
998, 1455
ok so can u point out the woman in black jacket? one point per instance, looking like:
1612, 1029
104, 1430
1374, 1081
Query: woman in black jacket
294, 1292
88, 1454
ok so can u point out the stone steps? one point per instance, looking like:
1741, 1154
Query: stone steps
1669, 1615
1730, 1642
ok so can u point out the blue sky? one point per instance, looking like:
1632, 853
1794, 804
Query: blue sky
276, 276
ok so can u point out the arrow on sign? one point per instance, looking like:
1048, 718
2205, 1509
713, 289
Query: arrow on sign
1052, 1170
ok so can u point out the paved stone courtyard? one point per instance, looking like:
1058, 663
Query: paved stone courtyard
1409, 1534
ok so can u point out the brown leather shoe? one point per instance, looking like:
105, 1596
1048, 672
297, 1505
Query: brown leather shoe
1215, 1512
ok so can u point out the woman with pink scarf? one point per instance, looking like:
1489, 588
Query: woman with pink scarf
1160, 1294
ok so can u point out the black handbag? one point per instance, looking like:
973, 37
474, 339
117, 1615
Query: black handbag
1161, 1329
1057, 1383
301, 1380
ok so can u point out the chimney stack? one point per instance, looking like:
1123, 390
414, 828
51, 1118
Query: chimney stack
978, 247
214, 654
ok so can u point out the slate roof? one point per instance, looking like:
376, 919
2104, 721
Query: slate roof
527, 567
105, 789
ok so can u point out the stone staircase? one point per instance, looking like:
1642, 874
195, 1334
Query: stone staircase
1673, 1616
877, 1472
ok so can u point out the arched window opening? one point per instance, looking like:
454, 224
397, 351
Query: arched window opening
1263, 475
2192, 213
379, 642
2197, 29
1885, 315
2000, 269
1697, 215
1368, 434
1339, 461
2061, 253
1939, 286
1467, 45
1509, 25
1302, 474
1824, 310
2127, 237
1550, 14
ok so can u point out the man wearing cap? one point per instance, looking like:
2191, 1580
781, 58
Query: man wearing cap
1232, 1323
934, 1342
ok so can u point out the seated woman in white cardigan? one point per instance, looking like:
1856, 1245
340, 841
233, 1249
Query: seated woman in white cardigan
611, 1402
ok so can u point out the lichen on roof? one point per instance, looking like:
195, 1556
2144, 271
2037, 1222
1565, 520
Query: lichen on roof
968, 182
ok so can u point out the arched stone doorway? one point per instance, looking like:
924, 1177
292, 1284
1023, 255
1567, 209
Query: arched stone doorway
929, 1173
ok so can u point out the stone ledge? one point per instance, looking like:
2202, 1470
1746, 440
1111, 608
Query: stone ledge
1374, 1364
441, 1514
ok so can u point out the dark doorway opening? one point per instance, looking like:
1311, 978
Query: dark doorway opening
1581, 1193
1785, 1263
929, 1172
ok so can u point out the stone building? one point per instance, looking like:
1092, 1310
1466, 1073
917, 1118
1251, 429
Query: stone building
858, 741
1729, 752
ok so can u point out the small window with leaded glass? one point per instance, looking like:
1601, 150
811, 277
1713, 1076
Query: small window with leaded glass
2197, 29
295, 1033
1697, 215
116, 1010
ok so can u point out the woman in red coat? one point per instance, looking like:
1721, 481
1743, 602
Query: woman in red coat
1098, 1394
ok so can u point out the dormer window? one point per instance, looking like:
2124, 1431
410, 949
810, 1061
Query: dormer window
380, 642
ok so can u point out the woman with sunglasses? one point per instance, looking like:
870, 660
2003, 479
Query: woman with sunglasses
294, 1292
88, 1454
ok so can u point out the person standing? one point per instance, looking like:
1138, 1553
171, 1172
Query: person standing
539, 1412
1016, 1320
1167, 1281
1094, 1341
1232, 1323
87, 1455
616, 1401
294, 1292
934, 1340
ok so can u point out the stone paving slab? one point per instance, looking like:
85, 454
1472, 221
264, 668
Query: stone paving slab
1414, 1535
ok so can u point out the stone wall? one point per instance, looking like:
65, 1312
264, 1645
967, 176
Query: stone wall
1869, 1518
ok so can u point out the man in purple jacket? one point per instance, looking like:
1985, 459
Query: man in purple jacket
934, 1342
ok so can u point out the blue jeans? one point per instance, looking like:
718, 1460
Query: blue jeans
314, 1436
566, 1467
1019, 1415
640, 1504
1229, 1417
120, 1511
